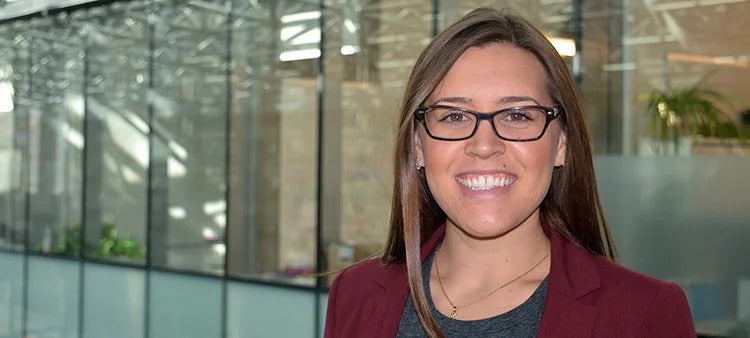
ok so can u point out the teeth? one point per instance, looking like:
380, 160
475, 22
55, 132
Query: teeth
485, 182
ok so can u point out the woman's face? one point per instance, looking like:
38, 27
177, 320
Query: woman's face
487, 79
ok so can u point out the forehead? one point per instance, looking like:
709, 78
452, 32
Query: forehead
487, 74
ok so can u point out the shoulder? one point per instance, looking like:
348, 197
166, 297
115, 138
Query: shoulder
365, 268
583, 272
627, 303
368, 270
363, 297
650, 306
363, 279
620, 279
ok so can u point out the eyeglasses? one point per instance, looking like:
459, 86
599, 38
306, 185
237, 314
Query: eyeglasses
517, 124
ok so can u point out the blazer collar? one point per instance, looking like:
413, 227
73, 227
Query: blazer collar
384, 311
573, 275
573, 269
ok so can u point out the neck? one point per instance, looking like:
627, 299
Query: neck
516, 250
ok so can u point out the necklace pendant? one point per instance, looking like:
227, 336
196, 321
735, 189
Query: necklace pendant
453, 314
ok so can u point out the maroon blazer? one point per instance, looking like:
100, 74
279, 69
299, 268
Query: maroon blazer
587, 296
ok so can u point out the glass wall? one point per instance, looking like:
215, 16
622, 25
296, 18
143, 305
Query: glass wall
55, 121
273, 139
252, 141
14, 131
116, 131
188, 136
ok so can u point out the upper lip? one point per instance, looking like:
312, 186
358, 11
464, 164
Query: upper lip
490, 172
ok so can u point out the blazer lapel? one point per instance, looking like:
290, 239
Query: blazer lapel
565, 316
573, 275
383, 311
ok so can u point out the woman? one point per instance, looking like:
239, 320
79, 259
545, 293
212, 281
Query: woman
494, 182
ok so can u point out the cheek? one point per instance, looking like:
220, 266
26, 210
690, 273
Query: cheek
439, 155
536, 157
439, 159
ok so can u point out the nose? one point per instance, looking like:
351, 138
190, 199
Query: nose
485, 143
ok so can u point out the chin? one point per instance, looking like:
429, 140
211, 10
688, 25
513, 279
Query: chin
482, 230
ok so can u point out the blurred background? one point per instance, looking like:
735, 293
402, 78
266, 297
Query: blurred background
179, 168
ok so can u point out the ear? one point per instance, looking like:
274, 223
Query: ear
562, 148
418, 148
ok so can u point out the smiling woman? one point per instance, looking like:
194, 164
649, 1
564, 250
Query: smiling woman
496, 227
486, 84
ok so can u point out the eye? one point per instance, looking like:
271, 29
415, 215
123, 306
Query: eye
521, 118
454, 116
518, 116
451, 116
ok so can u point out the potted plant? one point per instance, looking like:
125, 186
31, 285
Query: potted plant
110, 244
690, 112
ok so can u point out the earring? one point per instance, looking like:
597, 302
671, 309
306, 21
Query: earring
419, 165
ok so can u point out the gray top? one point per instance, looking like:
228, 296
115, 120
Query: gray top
523, 321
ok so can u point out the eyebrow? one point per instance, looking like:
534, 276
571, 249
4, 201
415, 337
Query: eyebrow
454, 99
501, 101
515, 99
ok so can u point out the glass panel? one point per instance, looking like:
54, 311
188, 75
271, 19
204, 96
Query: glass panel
266, 311
117, 149
113, 302
322, 308
189, 136
56, 134
53, 304
669, 47
362, 92
11, 295
275, 50
184, 307
14, 130
600, 78
685, 220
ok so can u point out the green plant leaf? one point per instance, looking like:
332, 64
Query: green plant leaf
691, 111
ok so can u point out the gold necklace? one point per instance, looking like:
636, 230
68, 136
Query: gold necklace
453, 314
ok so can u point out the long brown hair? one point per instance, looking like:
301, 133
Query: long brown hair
571, 206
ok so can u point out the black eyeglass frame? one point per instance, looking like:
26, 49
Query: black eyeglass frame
551, 113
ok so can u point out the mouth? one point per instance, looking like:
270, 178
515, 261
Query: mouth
485, 182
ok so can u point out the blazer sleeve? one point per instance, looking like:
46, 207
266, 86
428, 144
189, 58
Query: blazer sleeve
330, 327
669, 315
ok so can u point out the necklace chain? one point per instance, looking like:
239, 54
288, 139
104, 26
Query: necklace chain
455, 308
